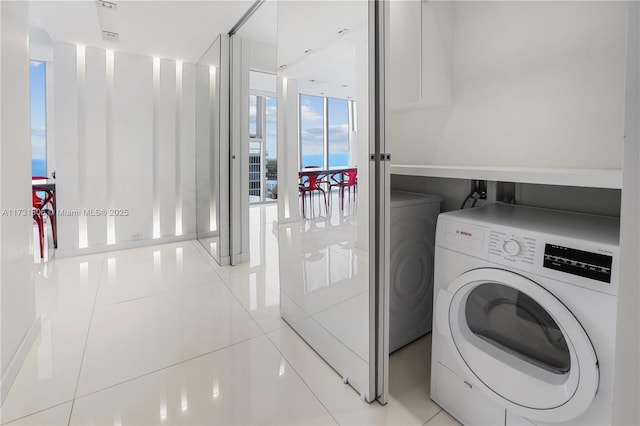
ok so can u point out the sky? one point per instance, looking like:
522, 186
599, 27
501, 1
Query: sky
38, 114
271, 125
311, 111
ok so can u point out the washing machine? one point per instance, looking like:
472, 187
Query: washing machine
413, 227
525, 314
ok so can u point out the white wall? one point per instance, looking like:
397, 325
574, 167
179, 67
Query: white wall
263, 56
288, 154
124, 127
17, 295
537, 84
627, 365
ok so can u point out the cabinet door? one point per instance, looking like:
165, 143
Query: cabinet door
405, 23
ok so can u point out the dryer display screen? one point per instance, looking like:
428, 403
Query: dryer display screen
578, 262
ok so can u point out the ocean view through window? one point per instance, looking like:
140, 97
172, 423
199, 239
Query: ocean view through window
38, 119
325, 131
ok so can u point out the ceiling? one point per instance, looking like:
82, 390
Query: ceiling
184, 30
181, 30
318, 46
262, 26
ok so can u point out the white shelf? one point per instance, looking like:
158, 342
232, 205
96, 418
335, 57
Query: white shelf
593, 178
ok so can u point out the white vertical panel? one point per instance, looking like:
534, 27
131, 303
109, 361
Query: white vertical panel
66, 128
109, 157
18, 321
95, 194
405, 36
222, 149
133, 145
202, 154
215, 134
188, 148
178, 143
288, 155
627, 370
166, 147
155, 178
239, 135
82, 137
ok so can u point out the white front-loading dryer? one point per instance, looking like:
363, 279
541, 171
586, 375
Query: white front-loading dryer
525, 310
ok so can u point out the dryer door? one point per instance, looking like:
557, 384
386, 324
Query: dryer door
519, 344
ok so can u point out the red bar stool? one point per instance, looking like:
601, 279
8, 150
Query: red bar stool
43, 206
346, 179
309, 183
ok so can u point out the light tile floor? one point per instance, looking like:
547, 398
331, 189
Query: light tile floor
164, 335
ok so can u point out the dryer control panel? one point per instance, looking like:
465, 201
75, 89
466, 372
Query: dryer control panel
574, 248
578, 262
512, 247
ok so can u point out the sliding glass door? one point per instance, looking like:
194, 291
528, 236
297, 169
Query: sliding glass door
331, 186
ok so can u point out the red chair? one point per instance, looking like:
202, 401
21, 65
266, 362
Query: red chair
346, 179
43, 206
309, 183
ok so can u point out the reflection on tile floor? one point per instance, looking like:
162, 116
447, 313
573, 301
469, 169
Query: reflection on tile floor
164, 335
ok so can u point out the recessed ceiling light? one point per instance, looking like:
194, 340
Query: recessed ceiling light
308, 51
110, 36
108, 5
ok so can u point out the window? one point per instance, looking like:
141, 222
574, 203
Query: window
253, 116
311, 131
338, 132
325, 131
262, 149
38, 119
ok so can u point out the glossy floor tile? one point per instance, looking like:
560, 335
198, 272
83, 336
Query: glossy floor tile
164, 335
442, 419
65, 284
65, 294
133, 338
55, 416
409, 401
140, 272
248, 383
260, 296
50, 372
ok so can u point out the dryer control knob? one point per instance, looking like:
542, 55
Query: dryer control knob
511, 247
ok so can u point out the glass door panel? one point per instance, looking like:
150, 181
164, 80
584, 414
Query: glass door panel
327, 293
212, 201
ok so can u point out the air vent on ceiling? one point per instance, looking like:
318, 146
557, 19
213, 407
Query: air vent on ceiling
110, 36
108, 5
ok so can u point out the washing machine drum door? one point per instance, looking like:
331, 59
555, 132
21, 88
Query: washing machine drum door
520, 344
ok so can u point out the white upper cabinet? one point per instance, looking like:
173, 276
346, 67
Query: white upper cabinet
421, 53
508, 84
405, 57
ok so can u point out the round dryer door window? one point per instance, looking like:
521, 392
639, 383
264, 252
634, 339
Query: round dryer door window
521, 345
